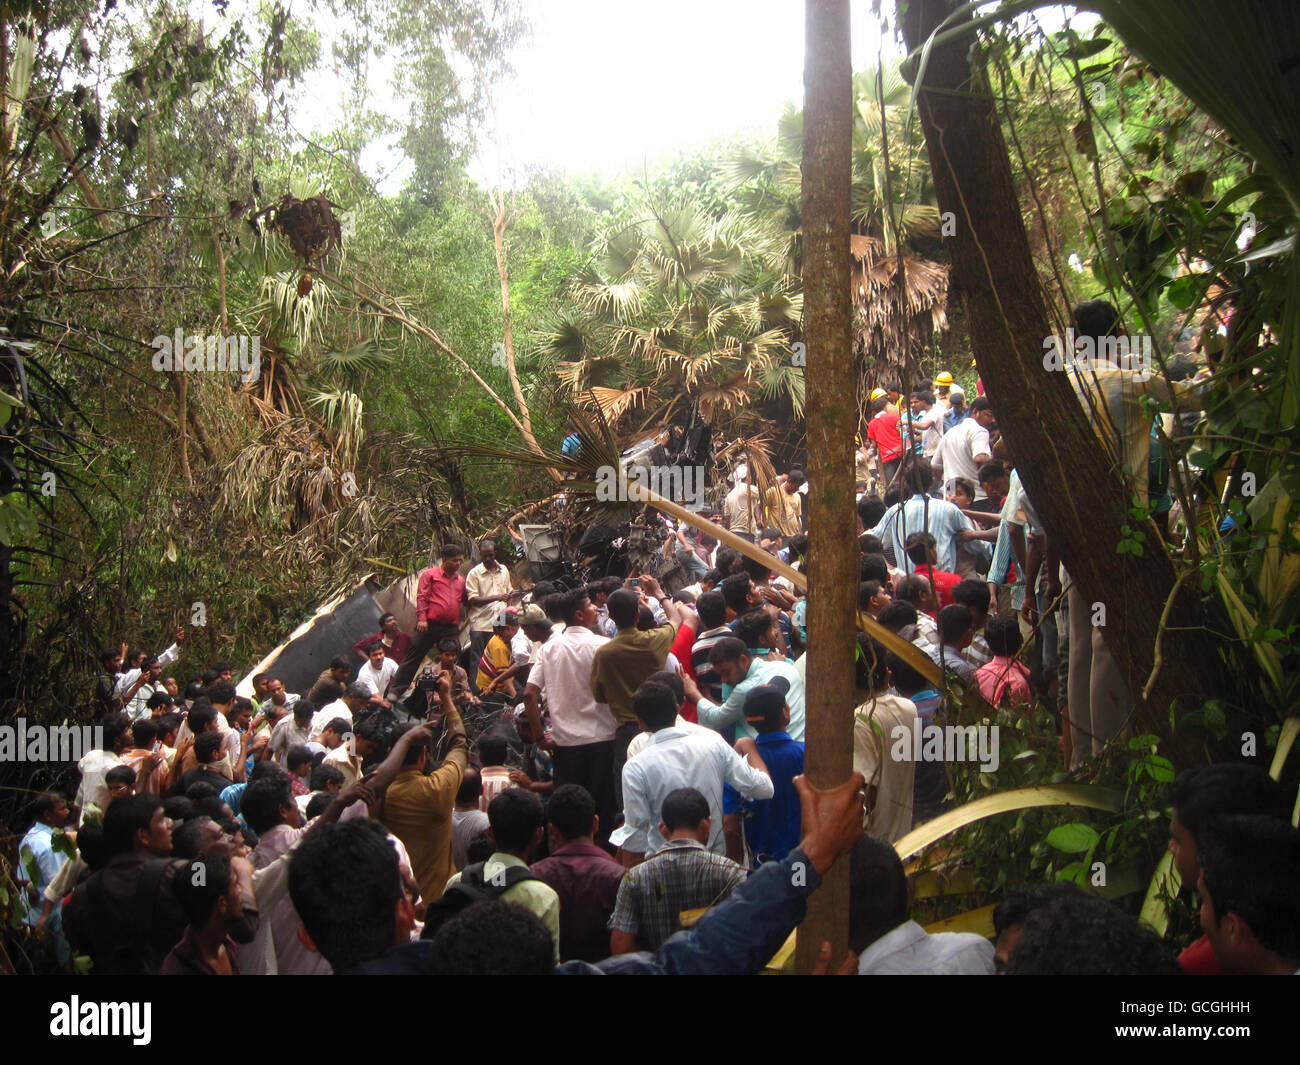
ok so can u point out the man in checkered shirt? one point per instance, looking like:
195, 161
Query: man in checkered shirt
682, 875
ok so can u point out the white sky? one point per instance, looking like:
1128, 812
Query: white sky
604, 86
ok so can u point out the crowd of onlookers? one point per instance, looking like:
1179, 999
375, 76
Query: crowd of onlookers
579, 802
608, 777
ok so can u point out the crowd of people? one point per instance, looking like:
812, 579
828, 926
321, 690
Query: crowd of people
606, 777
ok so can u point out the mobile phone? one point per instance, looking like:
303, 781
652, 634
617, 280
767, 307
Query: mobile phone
635, 582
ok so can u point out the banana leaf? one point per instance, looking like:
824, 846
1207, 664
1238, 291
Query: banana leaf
1089, 795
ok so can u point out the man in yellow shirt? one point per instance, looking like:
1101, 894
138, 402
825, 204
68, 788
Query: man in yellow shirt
417, 806
784, 505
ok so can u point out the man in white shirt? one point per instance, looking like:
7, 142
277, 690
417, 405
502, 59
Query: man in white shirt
886, 941
352, 702
582, 730
744, 506
127, 686
878, 721
376, 675
675, 758
487, 586
95, 764
965, 448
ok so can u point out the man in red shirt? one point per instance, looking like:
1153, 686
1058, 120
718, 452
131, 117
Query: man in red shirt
883, 432
920, 548
438, 602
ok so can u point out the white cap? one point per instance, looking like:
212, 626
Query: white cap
957, 390
741, 472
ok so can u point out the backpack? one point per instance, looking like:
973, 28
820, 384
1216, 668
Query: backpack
472, 887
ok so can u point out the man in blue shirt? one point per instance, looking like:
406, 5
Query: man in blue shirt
38, 862
771, 826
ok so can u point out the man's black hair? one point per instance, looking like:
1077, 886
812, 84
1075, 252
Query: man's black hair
757, 571
207, 747
966, 485
493, 749
492, 939
345, 884
266, 768
413, 750
179, 808
954, 622
356, 691
871, 508
298, 754
867, 591
120, 774
735, 591
340, 662
569, 604
107, 655
973, 594
870, 664
796, 474
716, 577
1003, 636
127, 816
449, 643
515, 816
200, 791
980, 403
452, 551
186, 836
221, 692
992, 469
340, 726
1082, 934
655, 705
480, 848
1228, 789
1095, 318
323, 775
571, 811
1251, 867
157, 699
907, 679
877, 892
918, 546
1024, 899
45, 803
870, 545
873, 568
317, 805
924, 395
898, 615
471, 787
727, 649
752, 626
115, 726
303, 711
200, 716
143, 733
712, 608
623, 608
262, 801
203, 883
912, 587
684, 808
167, 725
798, 545
672, 682
727, 559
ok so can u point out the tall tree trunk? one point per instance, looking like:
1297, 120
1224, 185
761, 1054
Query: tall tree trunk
832, 421
501, 220
1060, 459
